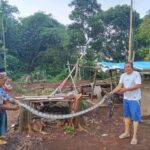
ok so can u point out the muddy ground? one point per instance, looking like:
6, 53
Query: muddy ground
102, 134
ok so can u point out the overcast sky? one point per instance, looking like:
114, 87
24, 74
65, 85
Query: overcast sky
60, 9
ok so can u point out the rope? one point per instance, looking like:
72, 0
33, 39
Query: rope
66, 116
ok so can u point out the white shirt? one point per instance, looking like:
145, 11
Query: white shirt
129, 80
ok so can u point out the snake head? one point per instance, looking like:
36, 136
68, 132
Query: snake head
109, 96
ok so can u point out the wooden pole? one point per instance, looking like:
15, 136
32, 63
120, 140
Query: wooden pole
76, 72
3, 35
72, 79
111, 84
94, 81
24, 119
79, 73
130, 52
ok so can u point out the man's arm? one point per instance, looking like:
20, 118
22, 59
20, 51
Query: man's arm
7, 107
138, 84
132, 88
118, 88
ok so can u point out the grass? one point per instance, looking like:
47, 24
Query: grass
68, 129
22, 91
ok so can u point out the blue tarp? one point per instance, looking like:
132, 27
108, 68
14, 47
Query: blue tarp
140, 65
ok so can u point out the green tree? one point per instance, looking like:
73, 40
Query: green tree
144, 38
54, 59
117, 23
6, 13
39, 32
87, 27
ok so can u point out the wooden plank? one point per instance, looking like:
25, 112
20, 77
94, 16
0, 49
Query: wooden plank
40, 101
145, 101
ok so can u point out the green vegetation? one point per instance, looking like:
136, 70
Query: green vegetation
38, 46
68, 129
144, 38
21, 90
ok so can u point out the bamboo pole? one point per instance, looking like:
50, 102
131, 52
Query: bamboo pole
130, 52
76, 72
94, 81
76, 65
72, 79
3, 36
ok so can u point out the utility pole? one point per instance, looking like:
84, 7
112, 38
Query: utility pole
3, 36
130, 52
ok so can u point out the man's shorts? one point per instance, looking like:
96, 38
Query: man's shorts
131, 109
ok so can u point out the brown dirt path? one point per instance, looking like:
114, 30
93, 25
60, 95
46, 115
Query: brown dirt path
103, 135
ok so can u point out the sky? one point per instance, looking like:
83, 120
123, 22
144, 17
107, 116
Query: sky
60, 9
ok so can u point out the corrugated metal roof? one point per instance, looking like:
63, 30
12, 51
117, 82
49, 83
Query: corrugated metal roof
140, 65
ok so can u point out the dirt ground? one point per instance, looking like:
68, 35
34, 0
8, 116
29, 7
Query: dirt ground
102, 134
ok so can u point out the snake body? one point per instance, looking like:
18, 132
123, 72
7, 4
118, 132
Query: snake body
66, 116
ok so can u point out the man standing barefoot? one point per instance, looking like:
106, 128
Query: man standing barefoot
130, 85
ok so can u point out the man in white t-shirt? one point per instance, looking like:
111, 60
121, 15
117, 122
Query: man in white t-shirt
130, 85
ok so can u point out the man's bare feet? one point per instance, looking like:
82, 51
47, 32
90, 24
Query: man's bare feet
134, 141
2, 142
124, 135
2, 137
